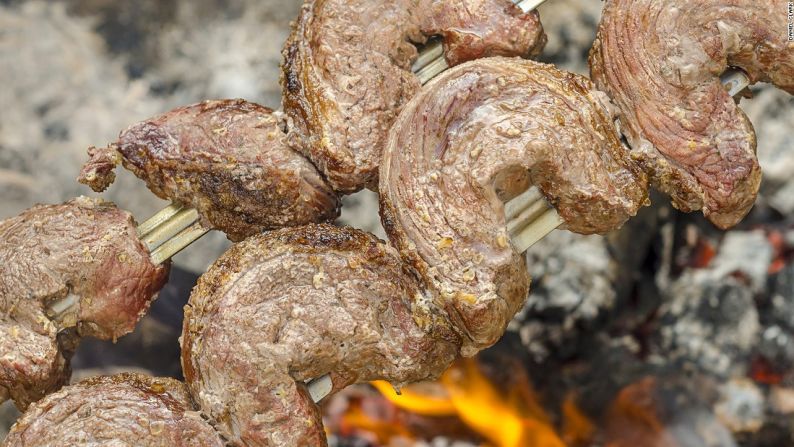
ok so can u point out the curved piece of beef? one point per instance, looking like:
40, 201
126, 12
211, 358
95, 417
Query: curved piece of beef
121, 410
459, 149
228, 159
284, 307
347, 70
75, 269
660, 62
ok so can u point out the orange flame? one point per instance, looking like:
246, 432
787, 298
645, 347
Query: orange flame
415, 401
512, 420
356, 420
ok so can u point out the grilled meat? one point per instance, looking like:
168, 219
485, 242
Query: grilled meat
86, 250
228, 159
660, 62
284, 307
475, 137
120, 410
347, 70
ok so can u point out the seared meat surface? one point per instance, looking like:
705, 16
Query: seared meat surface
660, 62
86, 250
347, 70
284, 307
475, 137
120, 410
228, 159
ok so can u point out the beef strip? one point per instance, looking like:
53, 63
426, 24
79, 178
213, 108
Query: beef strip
660, 62
228, 159
475, 137
121, 410
347, 70
87, 249
295, 304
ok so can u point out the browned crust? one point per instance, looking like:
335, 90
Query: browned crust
84, 247
308, 301
344, 86
498, 120
228, 159
129, 408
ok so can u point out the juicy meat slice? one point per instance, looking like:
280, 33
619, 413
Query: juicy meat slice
284, 307
86, 250
121, 410
347, 70
660, 62
228, 159
476, 136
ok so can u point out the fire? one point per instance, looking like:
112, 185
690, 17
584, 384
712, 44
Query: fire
512, 419
415, 401
382, 431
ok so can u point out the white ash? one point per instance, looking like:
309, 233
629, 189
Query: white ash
741, 406
572, 283
67, 94
571, 27
697, 428
747, 252
710, 322
223, 54
772, 114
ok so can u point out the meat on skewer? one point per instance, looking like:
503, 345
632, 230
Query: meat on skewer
228, 159
125, 409
347, 70
661, 61
67, 271
477, 136
177, 226
281, 308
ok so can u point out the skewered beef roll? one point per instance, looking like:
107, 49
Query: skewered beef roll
660, 62
69, 270
347, 70
284, 307
477, 136
228, 159
121, 410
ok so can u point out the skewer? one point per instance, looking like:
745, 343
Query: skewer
158, 219
64, 311
178, 242
169, 228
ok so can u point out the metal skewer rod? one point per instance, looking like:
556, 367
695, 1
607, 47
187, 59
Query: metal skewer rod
158, 219
170, 228
178, 242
